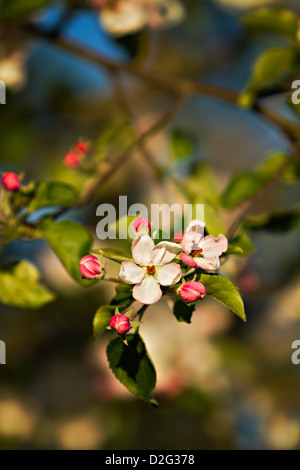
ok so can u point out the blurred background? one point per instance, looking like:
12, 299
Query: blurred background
221, 384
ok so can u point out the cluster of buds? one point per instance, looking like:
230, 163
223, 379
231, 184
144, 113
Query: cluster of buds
74, 157
11, 182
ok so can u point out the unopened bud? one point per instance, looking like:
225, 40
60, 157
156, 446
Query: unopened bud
90, 267
11, 182
82, 147
141, 224
121, 324
192, 291
72, 159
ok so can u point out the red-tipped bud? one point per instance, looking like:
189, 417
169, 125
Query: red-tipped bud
141, 224
89, 267
11, 182
192, 291
72, 159
82, 147
178, 237
121, 323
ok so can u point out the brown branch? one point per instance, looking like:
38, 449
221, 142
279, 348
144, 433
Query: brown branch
118, 161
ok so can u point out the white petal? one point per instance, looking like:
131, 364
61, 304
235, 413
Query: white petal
209, 264
131, 273
213, 246
123, 18
169, 274
197, 224
164, 252
190, 241
193, 235
148, 291
141, 249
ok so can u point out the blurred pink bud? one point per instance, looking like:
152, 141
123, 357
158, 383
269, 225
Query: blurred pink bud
72, 159
82, 147
121, 323
192, 291
142, 224
89, 267
178, 237
11, 182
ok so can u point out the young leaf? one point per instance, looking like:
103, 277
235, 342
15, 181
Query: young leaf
132, 366
182, 145
278, 21
54, 194
70, 242
114, 255
123, 298
240, 245
270, 66
182, 311
224, 291
102, 318
20, 287
241, 187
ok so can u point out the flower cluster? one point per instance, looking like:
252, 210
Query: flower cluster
155, 267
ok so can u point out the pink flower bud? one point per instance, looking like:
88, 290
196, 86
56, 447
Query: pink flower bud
72, 160
121, 323
192, 291
89, 267
11, 182
142, 224
178, 237
82, 147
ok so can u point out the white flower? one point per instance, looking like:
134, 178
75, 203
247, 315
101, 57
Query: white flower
152, 268
202, 252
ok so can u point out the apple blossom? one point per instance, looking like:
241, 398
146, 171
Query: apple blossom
192, 291
202, 252
11, 182
90, 267
152, 269
121, 323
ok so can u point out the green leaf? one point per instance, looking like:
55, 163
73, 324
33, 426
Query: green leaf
182, 311
114, 255
242, 187
102, 318
132, 366
270, 66
274, 20
123, 298
20, 287
272, 165
224, 291
11, 8
182, 146
70, 242
240, 245
54, 194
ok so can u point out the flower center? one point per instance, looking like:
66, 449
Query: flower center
151, 270
195, 253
